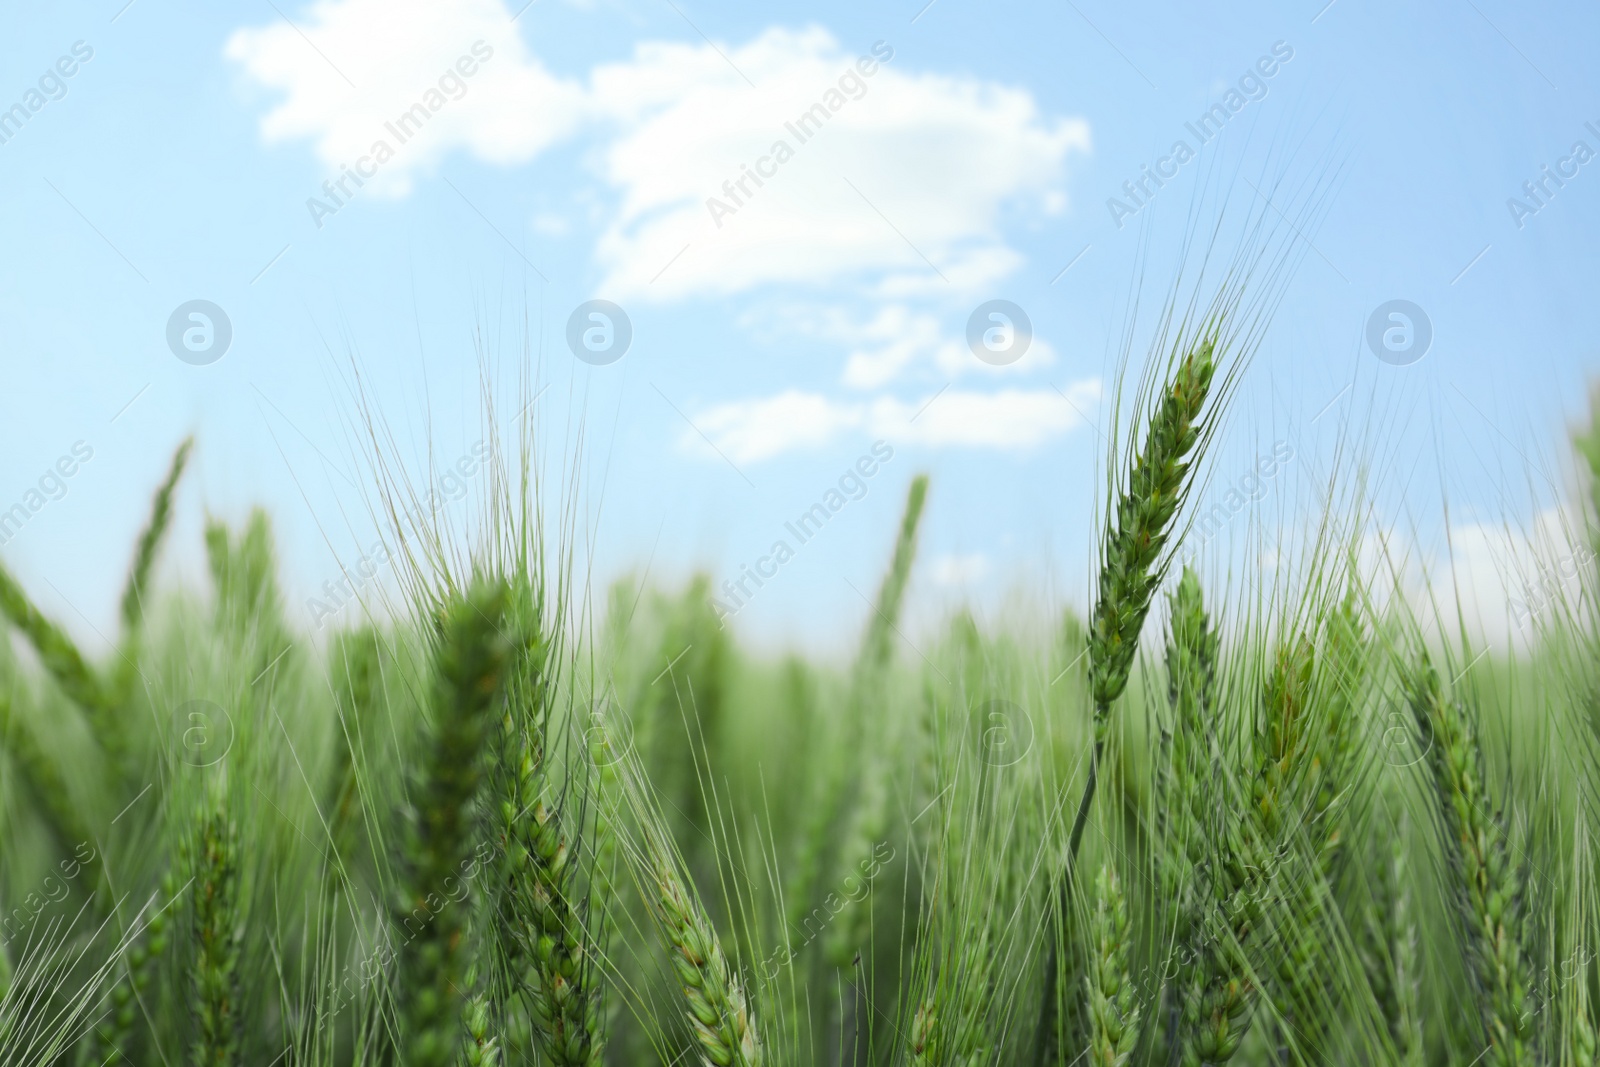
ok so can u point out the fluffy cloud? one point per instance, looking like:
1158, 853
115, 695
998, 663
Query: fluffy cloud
786, 161
1513, 582
753, 430
960, 570
1504, 582
897, 177
344, 68
750, 431
898, 339
1011, 419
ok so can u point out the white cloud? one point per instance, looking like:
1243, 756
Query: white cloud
958, 569
904, 166
364, 63
892, 183
1514, 582
754, 430
890, 342
897, 339
1504, 582
1012, 419
750, 431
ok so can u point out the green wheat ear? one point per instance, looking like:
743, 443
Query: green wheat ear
469, 665
482, 1050
1389, 947
56, 650
144, 556
217, 931
866, 825
1184, 786
1246, 866
1145, 512
110, 726
43, 775
1131, 568
113, 1034
1487, 885
876, 648
1113, 1001
358, 661
718, 1011
1214, 887
548, 942
717, 1008
1131, 561
1319, 690
60, 655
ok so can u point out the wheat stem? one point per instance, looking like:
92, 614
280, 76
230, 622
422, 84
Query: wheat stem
866, 823
1131, 568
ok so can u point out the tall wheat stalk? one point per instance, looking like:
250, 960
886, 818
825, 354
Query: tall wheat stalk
136, 595
1390, 947
56, 650
1186, 787
470, 664
716, 1005
550, 945
1132, 566
1487, 884
866, 823
1114, 1008
216, 930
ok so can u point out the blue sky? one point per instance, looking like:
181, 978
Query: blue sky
969, 153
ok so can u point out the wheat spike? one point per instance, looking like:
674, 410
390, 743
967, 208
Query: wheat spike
216, 931
1113, 1001
1488, 887
717, 1010
1185, 788
57, 651
469, 664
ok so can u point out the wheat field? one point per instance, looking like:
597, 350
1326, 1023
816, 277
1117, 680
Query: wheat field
510, 822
